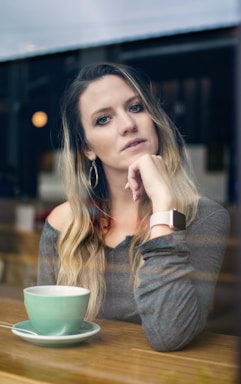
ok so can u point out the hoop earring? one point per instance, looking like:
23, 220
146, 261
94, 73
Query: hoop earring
94, 169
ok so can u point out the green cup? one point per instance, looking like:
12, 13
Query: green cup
56, 309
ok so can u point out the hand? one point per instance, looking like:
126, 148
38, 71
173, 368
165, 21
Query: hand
149, 172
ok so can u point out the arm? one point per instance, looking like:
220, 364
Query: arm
178, 277
48, 262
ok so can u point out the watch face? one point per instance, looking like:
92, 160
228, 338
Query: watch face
179, 220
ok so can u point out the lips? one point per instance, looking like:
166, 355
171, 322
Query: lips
133, 143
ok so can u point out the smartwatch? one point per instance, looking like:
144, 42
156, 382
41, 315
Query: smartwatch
174, 219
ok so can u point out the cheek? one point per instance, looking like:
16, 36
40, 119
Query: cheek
98, 145
91, 139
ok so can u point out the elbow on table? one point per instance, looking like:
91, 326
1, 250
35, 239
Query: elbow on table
174, 332
167, 343
171, 346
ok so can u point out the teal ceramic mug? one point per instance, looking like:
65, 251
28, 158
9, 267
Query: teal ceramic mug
56, 309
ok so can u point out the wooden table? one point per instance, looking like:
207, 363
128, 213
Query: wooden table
119, 353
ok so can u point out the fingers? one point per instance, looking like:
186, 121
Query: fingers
137, 174
134, 184
148, 172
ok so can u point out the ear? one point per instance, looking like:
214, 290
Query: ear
90, 154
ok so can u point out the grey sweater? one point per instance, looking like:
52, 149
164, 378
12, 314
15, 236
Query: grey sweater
176, 281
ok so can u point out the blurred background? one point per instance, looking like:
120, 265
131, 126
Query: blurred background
189, 49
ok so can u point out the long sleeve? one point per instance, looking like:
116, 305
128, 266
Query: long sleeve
48, 261
178, 277
176, 281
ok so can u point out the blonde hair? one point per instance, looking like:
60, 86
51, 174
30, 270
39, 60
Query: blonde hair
81, 243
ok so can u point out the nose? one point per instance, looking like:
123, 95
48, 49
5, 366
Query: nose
127, 123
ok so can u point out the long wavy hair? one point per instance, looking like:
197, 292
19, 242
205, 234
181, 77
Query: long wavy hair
81, 244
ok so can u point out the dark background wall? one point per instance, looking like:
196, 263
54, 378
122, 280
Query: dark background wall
194, 76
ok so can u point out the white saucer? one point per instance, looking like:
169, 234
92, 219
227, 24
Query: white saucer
87, 329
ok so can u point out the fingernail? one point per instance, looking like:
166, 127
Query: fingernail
134, 196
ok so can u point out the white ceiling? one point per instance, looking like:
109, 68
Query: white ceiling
33, 27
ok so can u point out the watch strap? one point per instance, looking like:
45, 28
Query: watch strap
160, 218
174, 219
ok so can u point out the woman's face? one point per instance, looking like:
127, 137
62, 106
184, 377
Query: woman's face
117, 128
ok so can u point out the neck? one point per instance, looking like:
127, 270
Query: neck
124, 213
116, 184
122, 202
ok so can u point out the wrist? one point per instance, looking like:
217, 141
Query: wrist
173, 219
163, 204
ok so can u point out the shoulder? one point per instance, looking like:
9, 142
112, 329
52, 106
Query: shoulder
208, 206
212, 213
59, 216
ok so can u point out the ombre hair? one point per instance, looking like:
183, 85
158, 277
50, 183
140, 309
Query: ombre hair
81, 244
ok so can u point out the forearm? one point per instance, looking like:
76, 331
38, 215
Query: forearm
170, 303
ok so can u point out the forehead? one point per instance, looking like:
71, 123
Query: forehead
106, 87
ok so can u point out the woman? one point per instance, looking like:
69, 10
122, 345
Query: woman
134, 229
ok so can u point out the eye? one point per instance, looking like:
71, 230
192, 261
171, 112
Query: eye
136, 108
102, 120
